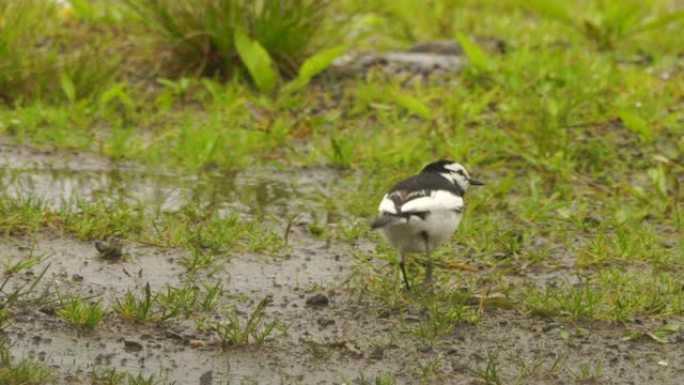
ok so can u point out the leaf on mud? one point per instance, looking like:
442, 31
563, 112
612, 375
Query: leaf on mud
632, 336
411, 104
565, 335
257, 61
636, 124
659, 336
659, 180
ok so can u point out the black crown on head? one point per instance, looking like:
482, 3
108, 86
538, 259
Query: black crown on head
438, 166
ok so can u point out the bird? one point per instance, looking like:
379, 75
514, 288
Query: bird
422, 212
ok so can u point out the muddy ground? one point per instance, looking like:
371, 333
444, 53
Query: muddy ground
343, 341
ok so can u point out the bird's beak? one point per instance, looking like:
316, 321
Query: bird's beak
475, 182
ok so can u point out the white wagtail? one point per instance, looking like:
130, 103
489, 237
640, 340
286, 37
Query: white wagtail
422, 212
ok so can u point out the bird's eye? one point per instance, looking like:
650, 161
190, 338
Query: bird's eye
461, 172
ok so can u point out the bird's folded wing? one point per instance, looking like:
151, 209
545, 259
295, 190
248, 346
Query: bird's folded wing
436, 201
403, 202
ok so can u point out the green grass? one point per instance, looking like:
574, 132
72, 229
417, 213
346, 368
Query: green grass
23, 24
234, 331
80, 312
576, 128
141, 309
203, 36
205, 232
25, 371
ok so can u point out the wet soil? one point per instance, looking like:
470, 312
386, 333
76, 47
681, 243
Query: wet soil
331, 338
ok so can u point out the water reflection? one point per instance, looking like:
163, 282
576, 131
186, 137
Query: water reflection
254, 193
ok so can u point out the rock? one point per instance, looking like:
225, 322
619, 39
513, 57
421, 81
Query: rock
323, 322
317, 300
111, 250
500, 255
207, 378
378, 353
195, 343
549, 326
442, 47
132, 346
458, 367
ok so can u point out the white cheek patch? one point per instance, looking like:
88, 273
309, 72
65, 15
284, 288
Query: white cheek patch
387, 205
438, 200
448, 176
455, 167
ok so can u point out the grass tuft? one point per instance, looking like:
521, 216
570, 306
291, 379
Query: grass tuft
202, 35
80, 312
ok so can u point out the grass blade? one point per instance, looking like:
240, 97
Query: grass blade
257, 61
412, 104
313, 66
660, 22
477, 56
319, 62
636, 124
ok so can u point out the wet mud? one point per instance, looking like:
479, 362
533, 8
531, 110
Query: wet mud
332, 337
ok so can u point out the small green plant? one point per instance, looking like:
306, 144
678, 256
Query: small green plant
380, 379
589, 372
80, 312
141, 379
24, 289
198, 259
207, 36
107, 377
607, 23
444, 313
254, 330
189, 298
25, 371
20, 215
490, 373
23, 25
575, 302
140, 310
385, 379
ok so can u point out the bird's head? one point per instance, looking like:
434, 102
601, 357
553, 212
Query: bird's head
454, 172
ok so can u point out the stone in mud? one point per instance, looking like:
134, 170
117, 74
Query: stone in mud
323, 322
132, 346
378, 353
425, 58
207, 378
111, 250
317, 300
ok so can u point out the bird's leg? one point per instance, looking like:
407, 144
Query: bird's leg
428, 262
428, 267
402, 263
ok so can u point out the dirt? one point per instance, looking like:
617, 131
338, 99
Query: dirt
331, 338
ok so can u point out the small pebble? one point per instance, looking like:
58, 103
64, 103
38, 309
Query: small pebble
323, 322
317, 301
132, 346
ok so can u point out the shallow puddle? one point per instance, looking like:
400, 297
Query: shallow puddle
56, 178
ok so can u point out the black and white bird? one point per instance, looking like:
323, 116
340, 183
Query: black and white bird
422, 212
